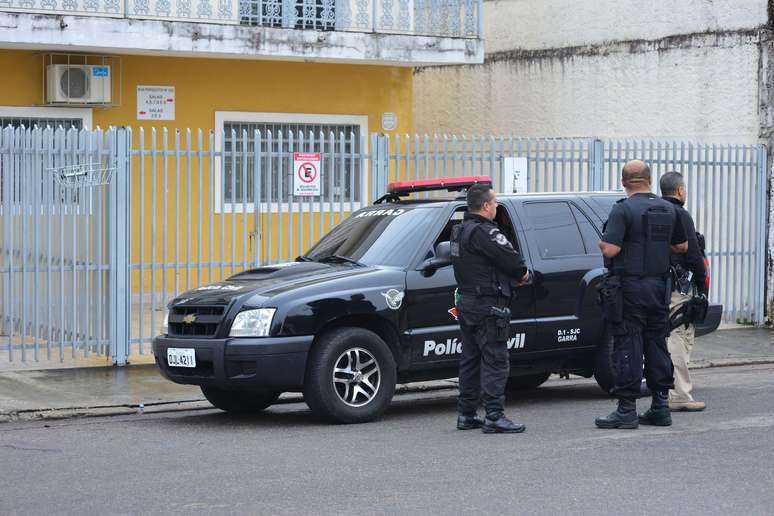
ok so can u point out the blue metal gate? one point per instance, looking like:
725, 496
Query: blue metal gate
100, 229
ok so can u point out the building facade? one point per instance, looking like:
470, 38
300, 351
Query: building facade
203, 106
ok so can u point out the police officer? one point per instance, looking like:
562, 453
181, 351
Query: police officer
691, 276
487, 268
639, 236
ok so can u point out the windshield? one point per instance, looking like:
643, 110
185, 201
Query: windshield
377, 236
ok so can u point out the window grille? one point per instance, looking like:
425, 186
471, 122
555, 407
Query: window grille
277, 161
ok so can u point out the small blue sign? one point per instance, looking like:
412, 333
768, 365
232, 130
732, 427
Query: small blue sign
100, 71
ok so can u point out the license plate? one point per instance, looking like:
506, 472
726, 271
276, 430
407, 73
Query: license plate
181, 357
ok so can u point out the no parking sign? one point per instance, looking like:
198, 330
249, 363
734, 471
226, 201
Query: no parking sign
306, 177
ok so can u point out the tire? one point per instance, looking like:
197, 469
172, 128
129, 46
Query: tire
240, 402
350, 376
603, 363
526, 382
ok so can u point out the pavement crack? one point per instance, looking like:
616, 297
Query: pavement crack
29, 448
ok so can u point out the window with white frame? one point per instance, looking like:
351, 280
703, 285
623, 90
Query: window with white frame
41, 117
337, 138
53, 117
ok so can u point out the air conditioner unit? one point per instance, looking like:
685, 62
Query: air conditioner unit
78, 84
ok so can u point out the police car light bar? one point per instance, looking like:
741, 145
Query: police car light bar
450, 184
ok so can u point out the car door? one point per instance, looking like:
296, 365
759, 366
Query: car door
523, 325
433, 330
563, 244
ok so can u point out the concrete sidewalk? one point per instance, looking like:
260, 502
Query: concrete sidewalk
62, 393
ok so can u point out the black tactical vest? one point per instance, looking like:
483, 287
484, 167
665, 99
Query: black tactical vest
647, 244
475, 275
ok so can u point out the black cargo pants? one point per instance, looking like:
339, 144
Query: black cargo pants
643, 333
484, 366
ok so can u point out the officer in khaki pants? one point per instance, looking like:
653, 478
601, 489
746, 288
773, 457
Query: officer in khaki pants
691, 275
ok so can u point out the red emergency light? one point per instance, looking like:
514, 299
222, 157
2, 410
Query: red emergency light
450, 184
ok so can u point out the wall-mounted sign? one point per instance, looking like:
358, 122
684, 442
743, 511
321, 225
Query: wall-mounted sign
389, 121
155, 102
515, 174
306, 179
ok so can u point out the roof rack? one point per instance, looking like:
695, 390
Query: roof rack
399, 189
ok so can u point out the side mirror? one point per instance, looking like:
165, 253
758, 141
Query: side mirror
442, 258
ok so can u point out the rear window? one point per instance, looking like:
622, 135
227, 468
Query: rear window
602, 204
556, 230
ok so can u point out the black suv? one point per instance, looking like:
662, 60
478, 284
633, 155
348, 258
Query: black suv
372, 305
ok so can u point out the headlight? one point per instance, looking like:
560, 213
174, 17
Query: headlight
252, 323
165, 322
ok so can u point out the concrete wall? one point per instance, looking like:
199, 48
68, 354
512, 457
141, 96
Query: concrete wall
550, 24
704, 87
607, 68
693, 69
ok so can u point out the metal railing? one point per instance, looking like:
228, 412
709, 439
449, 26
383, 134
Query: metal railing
444, 18
451, 18
726, 183
86, 269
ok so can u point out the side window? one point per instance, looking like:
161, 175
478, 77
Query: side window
588, 232
445, 235
556, 232
506, 226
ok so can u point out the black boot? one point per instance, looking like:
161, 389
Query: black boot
499, 424
625, 416
469, 422
658, 414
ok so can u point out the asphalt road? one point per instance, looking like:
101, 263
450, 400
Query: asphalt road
411, 462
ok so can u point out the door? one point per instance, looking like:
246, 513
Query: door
433, 332
433, 328
563, 245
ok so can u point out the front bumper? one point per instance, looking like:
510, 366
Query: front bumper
277, 362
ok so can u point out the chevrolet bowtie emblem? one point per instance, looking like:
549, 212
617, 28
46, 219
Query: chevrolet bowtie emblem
189, 319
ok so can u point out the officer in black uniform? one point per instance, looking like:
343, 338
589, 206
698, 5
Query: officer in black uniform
640, 234
487, 269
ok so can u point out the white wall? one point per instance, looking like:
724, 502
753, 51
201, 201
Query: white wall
664, 68
700, 92
531, 24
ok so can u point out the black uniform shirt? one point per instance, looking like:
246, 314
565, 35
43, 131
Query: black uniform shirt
693, 260
486, 253
624, 226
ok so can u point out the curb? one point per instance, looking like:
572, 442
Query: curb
730, 362
163, 407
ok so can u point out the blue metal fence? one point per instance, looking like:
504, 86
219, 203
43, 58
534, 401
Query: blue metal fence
89, 259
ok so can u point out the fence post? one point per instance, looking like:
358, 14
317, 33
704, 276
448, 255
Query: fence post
374, 179
596, 165
119, 221
763, 243
380, 165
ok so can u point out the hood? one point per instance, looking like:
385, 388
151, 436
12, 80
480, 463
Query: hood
270, 281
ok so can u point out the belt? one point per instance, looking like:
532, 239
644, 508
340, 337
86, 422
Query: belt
481, 291
499, 301
658, 276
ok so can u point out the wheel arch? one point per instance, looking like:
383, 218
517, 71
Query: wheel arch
381, 327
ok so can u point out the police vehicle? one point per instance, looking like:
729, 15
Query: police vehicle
372, 305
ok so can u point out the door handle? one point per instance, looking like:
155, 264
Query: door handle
532, 279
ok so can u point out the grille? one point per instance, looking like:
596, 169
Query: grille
195, 321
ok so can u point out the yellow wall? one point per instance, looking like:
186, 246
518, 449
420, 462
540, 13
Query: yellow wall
204, 86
